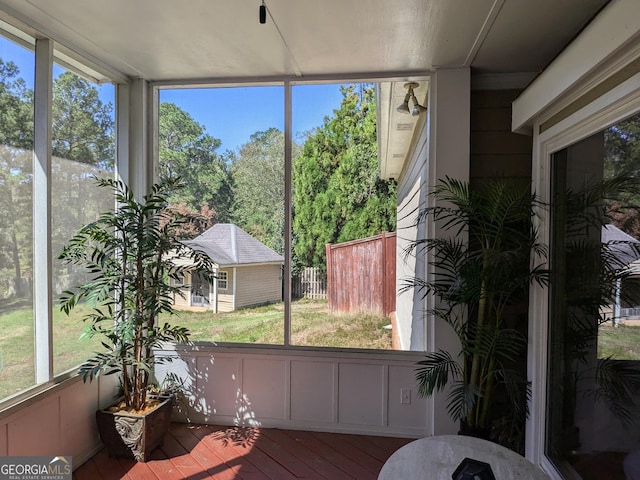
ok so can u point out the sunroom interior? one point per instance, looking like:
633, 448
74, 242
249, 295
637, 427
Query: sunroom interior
507, 84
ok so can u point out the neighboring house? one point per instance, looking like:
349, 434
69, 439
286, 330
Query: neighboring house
247, 272
624, 255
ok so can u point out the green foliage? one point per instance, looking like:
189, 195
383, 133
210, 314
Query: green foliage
258, 177
82, 144
16, 141
477, 287
83, 127
337, 194
622, 147
186, 151
132, 254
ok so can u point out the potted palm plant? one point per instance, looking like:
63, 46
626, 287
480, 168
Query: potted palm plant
480, 289
131, 253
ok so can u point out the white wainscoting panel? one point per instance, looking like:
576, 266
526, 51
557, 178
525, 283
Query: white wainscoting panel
298, 388
362, 390
313, 389
57, 420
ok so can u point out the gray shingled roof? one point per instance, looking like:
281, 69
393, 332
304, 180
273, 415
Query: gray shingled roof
623, 248
227, 245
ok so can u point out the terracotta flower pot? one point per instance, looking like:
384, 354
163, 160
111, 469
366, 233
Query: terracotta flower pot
134, 435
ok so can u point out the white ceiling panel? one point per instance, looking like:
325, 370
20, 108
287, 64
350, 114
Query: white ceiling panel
218, 39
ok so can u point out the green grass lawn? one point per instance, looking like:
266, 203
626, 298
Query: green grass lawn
622, 342
312, 324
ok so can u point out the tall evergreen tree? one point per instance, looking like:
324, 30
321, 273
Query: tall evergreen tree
338, 195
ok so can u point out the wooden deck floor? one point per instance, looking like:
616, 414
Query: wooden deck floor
199, 452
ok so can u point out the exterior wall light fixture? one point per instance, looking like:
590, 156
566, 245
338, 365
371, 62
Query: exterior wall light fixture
404, 106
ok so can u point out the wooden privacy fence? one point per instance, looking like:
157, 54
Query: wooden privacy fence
361, 275
309, 283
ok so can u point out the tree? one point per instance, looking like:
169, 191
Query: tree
16, 143
188, 152
82, 127
258, 175
338, 195
83, 146
622, 146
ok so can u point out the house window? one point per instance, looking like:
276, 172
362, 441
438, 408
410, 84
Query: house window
178, 282
594, 345
222, 280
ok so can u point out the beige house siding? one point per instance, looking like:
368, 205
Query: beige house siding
178, 301
258, 284
225, 297
495, 150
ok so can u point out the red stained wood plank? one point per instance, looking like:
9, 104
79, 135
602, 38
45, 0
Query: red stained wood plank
183, 461
137, 470
331, 453
200, 452
358, 453
320, 468
89, 471
245, 443
378, 447
216, 464
163, 467
297, 467
109, 467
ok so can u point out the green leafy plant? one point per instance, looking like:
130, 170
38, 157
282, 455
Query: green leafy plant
480, 289
132, 253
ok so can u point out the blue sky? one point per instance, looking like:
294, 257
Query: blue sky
234, 114
229, 114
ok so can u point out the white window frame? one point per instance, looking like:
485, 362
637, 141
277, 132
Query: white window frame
47, 52
608, 109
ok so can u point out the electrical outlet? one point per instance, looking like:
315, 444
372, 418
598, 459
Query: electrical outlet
405, 396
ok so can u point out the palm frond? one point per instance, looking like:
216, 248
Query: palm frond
462, 399
435, 372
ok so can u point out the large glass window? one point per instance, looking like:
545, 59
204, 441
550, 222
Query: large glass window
83, 148
228, 146
594, 340
16, 218
342, 210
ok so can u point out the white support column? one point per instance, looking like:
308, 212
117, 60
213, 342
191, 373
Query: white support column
215, 292
42, 269
140, 162
616, 304
235, 292
122, 132
287, 213
449, 150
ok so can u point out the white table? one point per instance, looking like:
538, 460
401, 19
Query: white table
436, 458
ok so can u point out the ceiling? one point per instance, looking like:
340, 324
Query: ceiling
174, 42
167, 40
